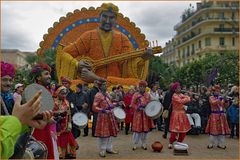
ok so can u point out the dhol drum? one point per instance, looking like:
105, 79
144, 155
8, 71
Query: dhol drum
119, 114
80, 119
35, 150
154, 109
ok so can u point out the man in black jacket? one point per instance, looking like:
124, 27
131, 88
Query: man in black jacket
167, 106
81, 104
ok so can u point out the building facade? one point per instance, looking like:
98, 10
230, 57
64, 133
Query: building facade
15, 57
212, 28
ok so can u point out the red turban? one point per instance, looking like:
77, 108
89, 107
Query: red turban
40, 67
143, 83
174, 86
7, 69
65, 79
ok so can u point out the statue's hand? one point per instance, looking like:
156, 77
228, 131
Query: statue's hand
84, 64
148, 54
89, 76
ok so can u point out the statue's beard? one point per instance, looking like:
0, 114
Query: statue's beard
106, 28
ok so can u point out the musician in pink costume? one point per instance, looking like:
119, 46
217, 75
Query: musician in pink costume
217, 126
106, 126
179, 123
141, 123
66, 142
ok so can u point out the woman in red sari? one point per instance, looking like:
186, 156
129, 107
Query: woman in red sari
128, 108
106, 126
66, 143
217, 126
179, 123
141, 123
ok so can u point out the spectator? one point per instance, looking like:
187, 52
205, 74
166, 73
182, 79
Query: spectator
233, 113
18, 90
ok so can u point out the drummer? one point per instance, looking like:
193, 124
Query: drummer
106, 126
141, 123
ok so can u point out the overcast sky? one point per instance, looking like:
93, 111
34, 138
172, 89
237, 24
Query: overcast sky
23, 24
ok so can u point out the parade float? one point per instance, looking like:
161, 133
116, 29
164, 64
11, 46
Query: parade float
69, 28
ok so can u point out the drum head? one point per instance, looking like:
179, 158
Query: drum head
80, 119
47, 102
153, 108
119, 113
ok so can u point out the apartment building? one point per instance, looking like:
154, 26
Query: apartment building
15, 57
212, 28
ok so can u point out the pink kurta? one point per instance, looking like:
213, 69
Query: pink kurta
217, 121
106, 123
179, 122
141, 122
65, 137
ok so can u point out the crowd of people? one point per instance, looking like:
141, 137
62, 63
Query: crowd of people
210, 111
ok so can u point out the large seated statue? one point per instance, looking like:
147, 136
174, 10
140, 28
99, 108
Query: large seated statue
107, 51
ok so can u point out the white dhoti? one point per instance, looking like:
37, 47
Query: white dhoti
196, 118
217, 140
105, 144
139, 138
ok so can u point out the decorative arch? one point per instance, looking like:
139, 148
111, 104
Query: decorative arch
69, 28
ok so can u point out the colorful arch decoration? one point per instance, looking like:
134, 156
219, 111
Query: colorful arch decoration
69, 28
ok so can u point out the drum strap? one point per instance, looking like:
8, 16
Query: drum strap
109, 106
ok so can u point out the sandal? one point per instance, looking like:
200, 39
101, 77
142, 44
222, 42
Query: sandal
222, 147
210, 146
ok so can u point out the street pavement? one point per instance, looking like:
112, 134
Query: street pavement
88, 148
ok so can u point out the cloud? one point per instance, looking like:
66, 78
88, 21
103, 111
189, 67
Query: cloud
24, 23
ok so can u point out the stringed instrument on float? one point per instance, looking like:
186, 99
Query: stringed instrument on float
117, 58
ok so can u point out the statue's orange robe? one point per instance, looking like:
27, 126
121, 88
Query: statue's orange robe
89, 44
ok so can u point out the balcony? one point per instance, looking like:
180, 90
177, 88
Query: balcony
232, 30
184, 39
198, 21
186, 16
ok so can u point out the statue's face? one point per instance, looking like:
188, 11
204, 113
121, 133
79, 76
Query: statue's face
107, 20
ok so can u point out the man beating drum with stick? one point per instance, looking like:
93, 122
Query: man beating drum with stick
106, 126
141, 123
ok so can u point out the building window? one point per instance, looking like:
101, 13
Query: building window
233, 41
208, 41
199, 30
183, 55
188, 51
179, 53
199, 44
221, 41
233, 15
221, 15
193, 49
221, 26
